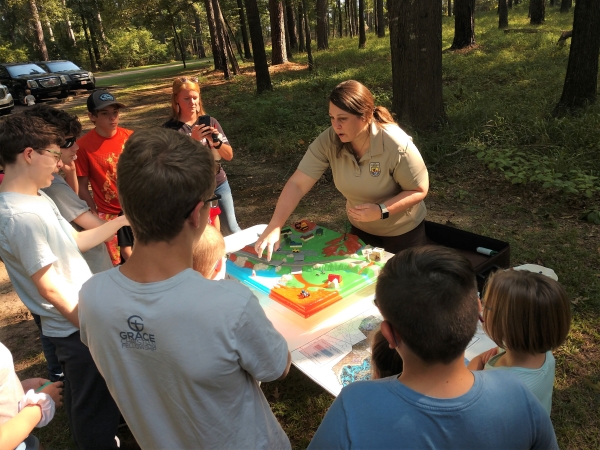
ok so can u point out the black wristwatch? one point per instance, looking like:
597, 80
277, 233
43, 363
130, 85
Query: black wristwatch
384, 211
217, 147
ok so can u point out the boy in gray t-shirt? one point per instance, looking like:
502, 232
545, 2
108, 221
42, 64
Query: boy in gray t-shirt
71, 207
181, 354
42, 254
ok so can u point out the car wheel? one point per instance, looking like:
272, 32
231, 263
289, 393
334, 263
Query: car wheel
63, 94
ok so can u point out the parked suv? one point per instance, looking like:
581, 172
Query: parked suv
18, 77
6, 100
77, 77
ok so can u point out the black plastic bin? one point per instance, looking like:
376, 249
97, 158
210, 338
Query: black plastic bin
466, 243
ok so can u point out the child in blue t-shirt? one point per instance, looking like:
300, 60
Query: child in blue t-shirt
428, 299
528, 315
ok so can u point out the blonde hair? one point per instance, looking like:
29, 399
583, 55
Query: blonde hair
526, 312
180, 83
207, 251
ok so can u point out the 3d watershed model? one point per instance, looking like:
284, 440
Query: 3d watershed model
314, 268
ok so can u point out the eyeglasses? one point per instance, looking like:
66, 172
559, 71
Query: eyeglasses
55, 155
69, 142
213, 202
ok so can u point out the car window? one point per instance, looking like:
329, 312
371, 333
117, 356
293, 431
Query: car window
25, 69
3, 73
62, 66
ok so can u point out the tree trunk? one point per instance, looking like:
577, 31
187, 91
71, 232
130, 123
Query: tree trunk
70, 33
537, 11
510, 3
340, 17
502, 14
228, 37
416, 48
93, 36
98, 18
307, 36
581, 80
565, 5
464, 24
291, 21
288, 47
355, 16
221, 32
242, 14
301, 40
278, 55
217, 50
178, 43
380, 19
322, 31
261, 66
93, 65
349, 22
362, 32
39, 32
201, 52
449, 8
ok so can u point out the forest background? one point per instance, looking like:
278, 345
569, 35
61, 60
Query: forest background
504, 161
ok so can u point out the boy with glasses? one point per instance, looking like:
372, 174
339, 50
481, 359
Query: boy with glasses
42, 254
99, 152
180, 354
428, 299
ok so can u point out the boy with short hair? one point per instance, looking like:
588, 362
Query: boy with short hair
428, 299
99, 152
180, 354
42, 254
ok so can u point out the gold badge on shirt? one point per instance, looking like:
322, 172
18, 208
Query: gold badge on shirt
375, 169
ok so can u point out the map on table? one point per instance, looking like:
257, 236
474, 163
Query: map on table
314, 268
343, 355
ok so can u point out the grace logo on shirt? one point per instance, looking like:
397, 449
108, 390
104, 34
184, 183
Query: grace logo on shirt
136, 338
375, 169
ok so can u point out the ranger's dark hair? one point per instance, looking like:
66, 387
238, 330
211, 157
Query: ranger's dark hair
429, 296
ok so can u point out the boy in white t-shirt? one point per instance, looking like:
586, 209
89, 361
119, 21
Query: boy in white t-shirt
181, 354
42, 254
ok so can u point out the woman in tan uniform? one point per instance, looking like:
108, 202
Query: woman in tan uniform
375, 165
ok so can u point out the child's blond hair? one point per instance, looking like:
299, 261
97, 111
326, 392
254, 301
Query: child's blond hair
526, 312
208, 250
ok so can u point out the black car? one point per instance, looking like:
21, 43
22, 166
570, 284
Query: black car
77, 77
18, 77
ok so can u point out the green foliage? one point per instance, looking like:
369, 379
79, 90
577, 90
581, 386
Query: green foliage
10, 54
592, 216
134, 48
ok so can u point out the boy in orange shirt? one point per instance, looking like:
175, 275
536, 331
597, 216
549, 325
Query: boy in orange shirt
99, 152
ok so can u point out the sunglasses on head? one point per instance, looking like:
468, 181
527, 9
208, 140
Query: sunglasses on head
68, 142
184, 79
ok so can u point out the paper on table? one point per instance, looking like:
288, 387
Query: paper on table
237, 241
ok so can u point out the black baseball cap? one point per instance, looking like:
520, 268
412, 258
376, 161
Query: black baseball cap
101, 99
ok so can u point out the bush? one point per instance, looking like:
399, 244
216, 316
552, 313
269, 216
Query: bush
10, 54
134, 48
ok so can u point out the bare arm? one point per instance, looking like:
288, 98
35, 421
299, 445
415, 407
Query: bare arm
87, 221
90, 238
370, 212
15, 430
287, 367
296, 187
71, 176
46, 281
84, 193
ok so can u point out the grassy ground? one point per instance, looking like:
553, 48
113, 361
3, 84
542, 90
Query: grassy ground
498, 97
